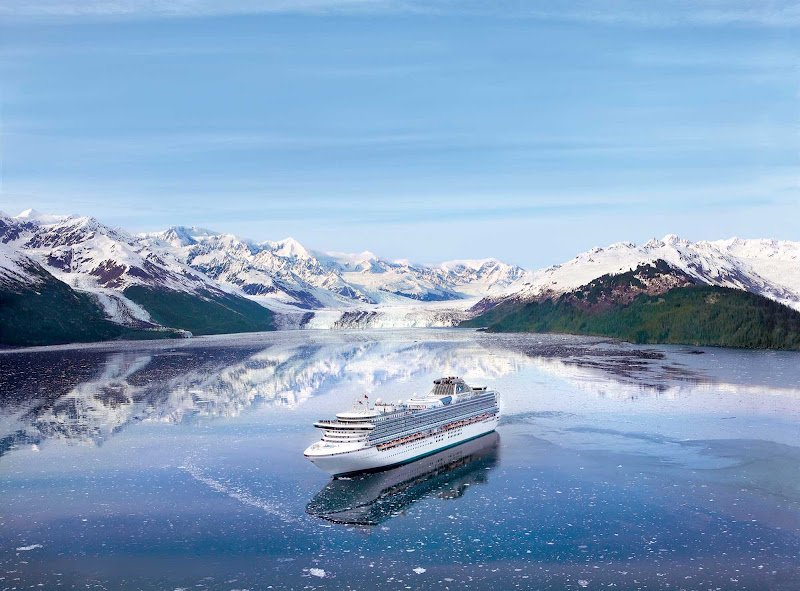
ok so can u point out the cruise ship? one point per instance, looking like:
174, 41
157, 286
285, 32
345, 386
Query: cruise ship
374, 437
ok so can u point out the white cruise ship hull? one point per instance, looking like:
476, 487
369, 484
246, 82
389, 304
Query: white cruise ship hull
340, 463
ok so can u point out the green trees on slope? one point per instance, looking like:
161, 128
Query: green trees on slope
204, 313
696, 315
50, 312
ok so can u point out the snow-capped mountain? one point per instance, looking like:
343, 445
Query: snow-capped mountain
286, 272
189, 266
81, 249
481, 276
91, 257
766, 267
203, 281
281, 271
446, 281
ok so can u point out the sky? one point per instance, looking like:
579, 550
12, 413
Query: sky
445, 129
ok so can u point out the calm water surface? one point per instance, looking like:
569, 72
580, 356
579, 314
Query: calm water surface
179, 466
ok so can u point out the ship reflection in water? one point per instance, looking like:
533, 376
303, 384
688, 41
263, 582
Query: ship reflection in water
371, 499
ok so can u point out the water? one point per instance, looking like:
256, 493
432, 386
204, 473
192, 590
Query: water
179, 466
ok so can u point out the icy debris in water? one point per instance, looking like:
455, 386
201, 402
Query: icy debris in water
243, 496
316, 572
419, 570
583, 583
31, 547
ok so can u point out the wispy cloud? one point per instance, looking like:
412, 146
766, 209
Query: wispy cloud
777, 62
676, 141
185, 8
227, 200
660, 13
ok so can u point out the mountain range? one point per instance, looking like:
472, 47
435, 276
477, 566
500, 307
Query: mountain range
104, 282
766, 267
285, 272
732, 293
71, 278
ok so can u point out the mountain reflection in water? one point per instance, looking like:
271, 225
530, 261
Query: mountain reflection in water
87, 396
371, 499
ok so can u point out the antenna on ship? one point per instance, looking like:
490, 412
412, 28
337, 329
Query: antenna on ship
359, 402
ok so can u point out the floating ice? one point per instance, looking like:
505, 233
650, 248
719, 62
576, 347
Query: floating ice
31, 547
419, 570
316, 572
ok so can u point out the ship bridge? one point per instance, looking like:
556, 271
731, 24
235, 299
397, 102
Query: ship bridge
452, 386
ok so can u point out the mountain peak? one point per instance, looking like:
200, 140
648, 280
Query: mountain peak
193, 230
624, 245
469, 263
31, 215
669, 240
290, 248
673, 240
185, 236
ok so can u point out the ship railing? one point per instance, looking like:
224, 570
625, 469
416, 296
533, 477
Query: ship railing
334, 424
424, 421
432, 432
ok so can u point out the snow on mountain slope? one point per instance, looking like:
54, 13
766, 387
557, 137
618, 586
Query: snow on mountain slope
283, 275
352, 290
85, 252
283, 271
288, 273
88, 256
776, 261
479, 277
396, 282
765, 267
31, 215
15, 268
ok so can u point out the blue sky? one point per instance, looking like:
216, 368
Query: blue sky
425, 130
